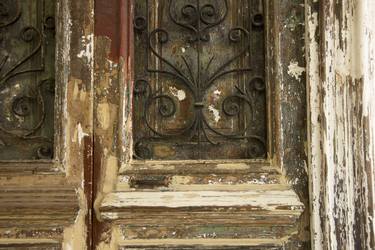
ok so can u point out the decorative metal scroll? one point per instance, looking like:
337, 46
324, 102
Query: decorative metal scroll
27, 86
199, 89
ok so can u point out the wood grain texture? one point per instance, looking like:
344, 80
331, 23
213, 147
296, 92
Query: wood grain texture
43, 206
47, 199
341, 52
29, 244
208, 244
227, 179
262, 213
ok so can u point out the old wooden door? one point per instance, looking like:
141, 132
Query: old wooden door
45, 126
200, 125
152, 125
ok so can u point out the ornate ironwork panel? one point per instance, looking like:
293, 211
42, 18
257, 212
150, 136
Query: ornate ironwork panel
199, 90
27, 86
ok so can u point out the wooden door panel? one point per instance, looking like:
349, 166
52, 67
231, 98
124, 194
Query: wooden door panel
161, 188
27, 65
199, 247
199, 80
45, 129
191, 193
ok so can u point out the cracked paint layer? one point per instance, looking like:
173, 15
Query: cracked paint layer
295, 71
340, 53
178, 93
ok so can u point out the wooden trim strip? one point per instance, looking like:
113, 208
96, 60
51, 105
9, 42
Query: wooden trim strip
192, 167
203, 242
264, 199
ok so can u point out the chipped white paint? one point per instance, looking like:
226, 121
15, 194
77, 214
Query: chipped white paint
80, 133
340, 81
178, 93
215, 113
295, 71
88, 48
266, 199
313, 105
217, 94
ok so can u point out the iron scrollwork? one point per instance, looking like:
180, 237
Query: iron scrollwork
27, 83
197, 21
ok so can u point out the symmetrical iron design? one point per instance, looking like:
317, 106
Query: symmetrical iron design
27, 86
217, 100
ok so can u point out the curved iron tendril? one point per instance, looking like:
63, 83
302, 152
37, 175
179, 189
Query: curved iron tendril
4, 12
209, 17
20, 106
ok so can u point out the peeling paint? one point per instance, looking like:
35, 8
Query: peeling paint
215, 112
178, 93
88, 51
80, 133
342, 198
295, 71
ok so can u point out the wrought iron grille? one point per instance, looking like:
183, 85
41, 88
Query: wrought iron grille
27, 86
199, 91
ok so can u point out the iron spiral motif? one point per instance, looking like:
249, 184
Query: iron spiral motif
26, 80
197, 25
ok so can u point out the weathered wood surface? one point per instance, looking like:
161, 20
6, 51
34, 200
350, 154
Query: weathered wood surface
341, 90
45, 204
113, 151
340, 79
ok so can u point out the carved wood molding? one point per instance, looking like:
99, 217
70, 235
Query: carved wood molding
287, 139
47, 206
273, 211
203, 244
29, 244
196, 167
29, 167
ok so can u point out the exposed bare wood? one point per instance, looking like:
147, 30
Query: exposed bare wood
192, 167
47, 199
25, 207
189, 181
340, 47
29, 244
30, 167
204, 243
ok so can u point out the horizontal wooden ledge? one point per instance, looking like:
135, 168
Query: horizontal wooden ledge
208, 187
260, 207
29, 167
204, 243
29, 243
267, 199
199, 167
31, 205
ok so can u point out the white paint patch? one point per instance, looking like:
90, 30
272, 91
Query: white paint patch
295, 71
80, 133
88, 51
215, 113
183, 50
269, 200
179, 93
217, 94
